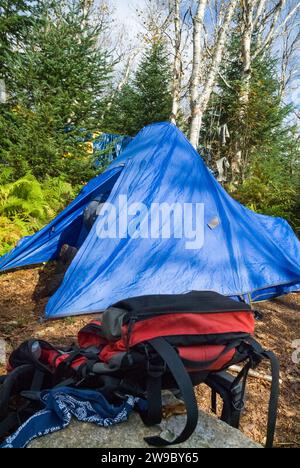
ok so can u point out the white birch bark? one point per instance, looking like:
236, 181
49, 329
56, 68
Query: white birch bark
3, 94
86, 8
248, 26
195, 78
203, 100
125, 77
270, 35
261, 5
177, 71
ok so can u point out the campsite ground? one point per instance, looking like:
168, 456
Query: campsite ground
22, 303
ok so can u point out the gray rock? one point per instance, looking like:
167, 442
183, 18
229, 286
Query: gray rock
210, 433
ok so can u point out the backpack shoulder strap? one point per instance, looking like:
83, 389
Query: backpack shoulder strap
183, 380
261, 353
21, 378
274, 397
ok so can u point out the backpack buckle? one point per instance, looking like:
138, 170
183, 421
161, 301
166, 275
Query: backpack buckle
156, 370
239, 405
156, 367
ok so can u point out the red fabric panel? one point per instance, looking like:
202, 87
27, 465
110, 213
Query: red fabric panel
192, 353
48, 357
61, 359
87, 338
110, 350
76, 363
206, 353
191, 324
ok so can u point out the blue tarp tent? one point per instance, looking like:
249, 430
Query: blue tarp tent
242, 253
116, 144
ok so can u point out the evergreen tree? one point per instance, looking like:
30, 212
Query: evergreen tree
122, 117
15, 19
152, 83
57, 87
148, 98
268, 143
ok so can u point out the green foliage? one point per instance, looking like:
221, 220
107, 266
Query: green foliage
271, 191
58, 82
261, 132
26, 205
59, 193
56, 77
256, 128
56, 87
11, 231
15, 20
122, 117
147, 99
5, 175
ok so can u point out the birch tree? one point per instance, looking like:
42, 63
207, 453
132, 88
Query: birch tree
289, 67
200, 95
177, 69
196, 111
124, 78
155, 17
254, 17
263, 24
178, 36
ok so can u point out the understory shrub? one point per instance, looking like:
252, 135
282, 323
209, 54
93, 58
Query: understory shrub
27, 205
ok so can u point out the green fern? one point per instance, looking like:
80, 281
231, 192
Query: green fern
27, 205
27, 188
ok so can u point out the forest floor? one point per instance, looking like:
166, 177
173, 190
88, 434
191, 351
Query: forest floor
22, 303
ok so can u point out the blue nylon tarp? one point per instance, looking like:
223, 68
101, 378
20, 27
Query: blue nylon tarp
116, 144
243, 254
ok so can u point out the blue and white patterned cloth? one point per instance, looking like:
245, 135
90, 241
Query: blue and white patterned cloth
63, 403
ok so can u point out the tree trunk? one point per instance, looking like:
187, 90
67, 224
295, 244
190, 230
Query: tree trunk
177, 72
255, 19
3, 94
248, 25
238, 157
246, 53
202, 102
124, 80
86, 7
196, 117
127, 71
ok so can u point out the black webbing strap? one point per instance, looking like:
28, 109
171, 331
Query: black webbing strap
273, 404
12, 380
178, 371
242, 377
34, 394
154, 398
214, 401
275, 388
10, 423
37, 381
13, 418
258, 353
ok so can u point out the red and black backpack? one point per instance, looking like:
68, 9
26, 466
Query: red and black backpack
143, 345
